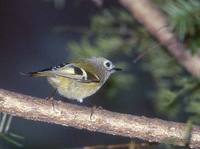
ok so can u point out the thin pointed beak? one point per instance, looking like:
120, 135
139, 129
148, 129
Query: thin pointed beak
117, 69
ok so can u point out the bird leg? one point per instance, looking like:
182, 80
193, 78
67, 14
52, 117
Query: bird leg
93, 108
50, 97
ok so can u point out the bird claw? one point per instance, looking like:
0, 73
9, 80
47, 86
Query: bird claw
49, 98
93, 110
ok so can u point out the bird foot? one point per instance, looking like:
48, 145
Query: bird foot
93, 109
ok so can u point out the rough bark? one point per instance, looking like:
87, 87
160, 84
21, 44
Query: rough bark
57, 112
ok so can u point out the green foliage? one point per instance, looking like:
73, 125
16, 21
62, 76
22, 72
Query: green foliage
178, 92
101, 46
116, 35
184, 18
119, 83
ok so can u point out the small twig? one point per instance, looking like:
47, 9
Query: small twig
144, 53
3, 122
131, 145
8, 124
98, 3
57, 112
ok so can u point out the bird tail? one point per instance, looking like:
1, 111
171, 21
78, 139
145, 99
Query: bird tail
37, 74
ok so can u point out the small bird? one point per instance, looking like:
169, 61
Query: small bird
79, 79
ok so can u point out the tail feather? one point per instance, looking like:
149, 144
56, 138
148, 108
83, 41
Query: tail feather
36, 74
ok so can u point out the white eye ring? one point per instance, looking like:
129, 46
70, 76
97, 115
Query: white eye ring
108, 64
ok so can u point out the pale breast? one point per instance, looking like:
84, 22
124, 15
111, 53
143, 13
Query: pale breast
73, 89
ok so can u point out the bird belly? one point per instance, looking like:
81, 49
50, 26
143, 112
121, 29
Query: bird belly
73, 89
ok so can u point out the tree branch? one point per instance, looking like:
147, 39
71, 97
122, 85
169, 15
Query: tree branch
57, 112
157, 24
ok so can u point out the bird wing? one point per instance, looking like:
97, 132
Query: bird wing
70, 71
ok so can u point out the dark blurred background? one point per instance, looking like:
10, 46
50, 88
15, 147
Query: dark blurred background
43, 33
28, 42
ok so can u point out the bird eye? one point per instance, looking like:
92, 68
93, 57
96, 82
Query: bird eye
107, 64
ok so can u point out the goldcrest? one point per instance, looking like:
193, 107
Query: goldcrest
79, 79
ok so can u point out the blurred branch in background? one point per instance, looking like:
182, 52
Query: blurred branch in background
157, 24
149, 129
5, 134
131, 145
